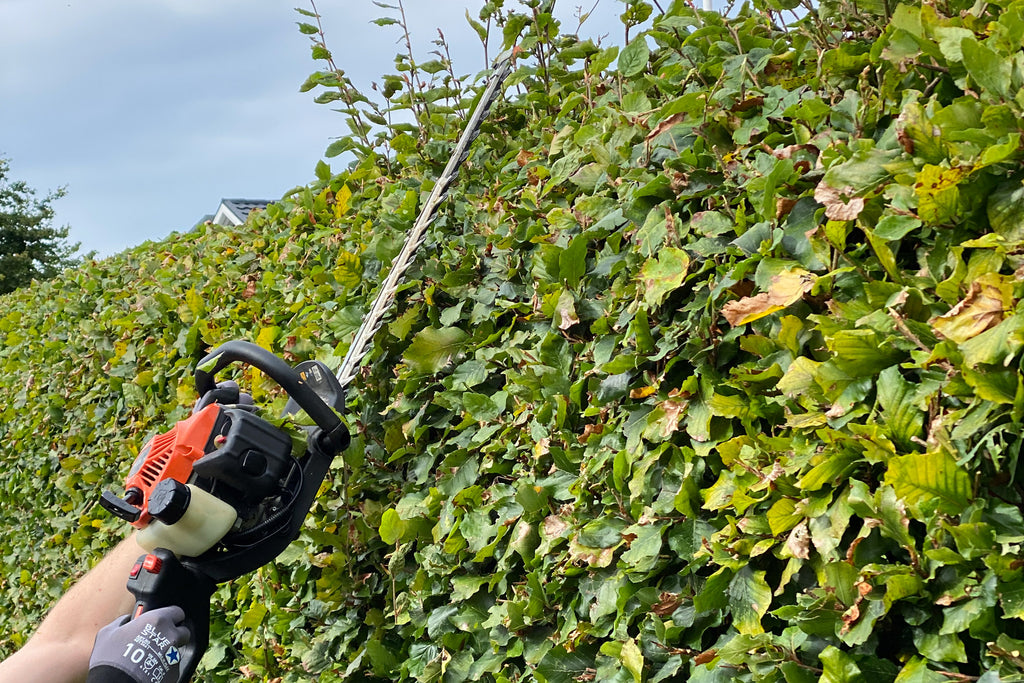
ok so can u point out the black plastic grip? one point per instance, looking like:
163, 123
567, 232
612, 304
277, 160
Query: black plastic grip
276, 369
165, 581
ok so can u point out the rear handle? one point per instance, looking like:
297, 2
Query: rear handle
159, 579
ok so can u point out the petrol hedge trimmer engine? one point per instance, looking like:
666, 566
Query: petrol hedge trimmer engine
222, 493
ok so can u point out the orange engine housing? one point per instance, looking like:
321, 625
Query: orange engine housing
170, 456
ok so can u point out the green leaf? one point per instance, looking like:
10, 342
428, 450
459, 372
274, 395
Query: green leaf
829, 470
782, 516
1011, 597
994, 385
253, 617
480, 407
432, 349
634, 57
896, 396
862, 352
715, 592
932, 479
950, 39
572, 261
338, 147
987, 68
996, 346
917, 671
481, 32
383, 660
562, 666
749, 600
896, 227
1005, 209
940, 648
839, 667
392, 527
644, 549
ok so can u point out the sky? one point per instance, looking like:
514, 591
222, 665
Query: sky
150, 112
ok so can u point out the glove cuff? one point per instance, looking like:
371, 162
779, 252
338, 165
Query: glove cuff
108, 674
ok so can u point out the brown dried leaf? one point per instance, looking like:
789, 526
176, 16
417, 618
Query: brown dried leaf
565, 311
984, 307
783, 205
836, 207
747, 104
667, 604
799, 541
588, 430
850, 616
554, 526
785, 289
665, 125
788, 151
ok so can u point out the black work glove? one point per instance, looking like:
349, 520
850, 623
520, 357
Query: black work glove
226, 392
142, 650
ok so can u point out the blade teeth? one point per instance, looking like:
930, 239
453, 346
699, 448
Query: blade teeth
386, 296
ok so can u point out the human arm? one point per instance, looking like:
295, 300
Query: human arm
59, 650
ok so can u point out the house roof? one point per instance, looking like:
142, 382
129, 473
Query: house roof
235, 211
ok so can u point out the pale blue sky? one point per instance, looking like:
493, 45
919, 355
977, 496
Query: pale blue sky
151, 112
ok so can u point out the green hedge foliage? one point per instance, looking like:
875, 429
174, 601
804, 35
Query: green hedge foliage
709, 371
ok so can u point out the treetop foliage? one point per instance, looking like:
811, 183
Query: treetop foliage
710, 370
30, 247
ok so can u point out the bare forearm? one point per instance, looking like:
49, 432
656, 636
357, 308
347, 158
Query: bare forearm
59, 650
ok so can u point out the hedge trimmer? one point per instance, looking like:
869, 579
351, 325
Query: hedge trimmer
222, 493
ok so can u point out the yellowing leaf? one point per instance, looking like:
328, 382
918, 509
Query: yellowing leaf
195, 302
254, 616
633, 659
593, 557
341, 200
267, 336
938, 192
799, 378
565, 311
643, 392
984, 307
349, 270
932, 479
786, 288
661, 275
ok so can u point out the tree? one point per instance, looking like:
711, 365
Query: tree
30, 247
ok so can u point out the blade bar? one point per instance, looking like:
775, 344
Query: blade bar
385, 299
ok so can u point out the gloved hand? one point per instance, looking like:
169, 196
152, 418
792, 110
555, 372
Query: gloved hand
226, 392
143, 650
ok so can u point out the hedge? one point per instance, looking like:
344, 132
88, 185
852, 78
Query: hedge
710, 370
